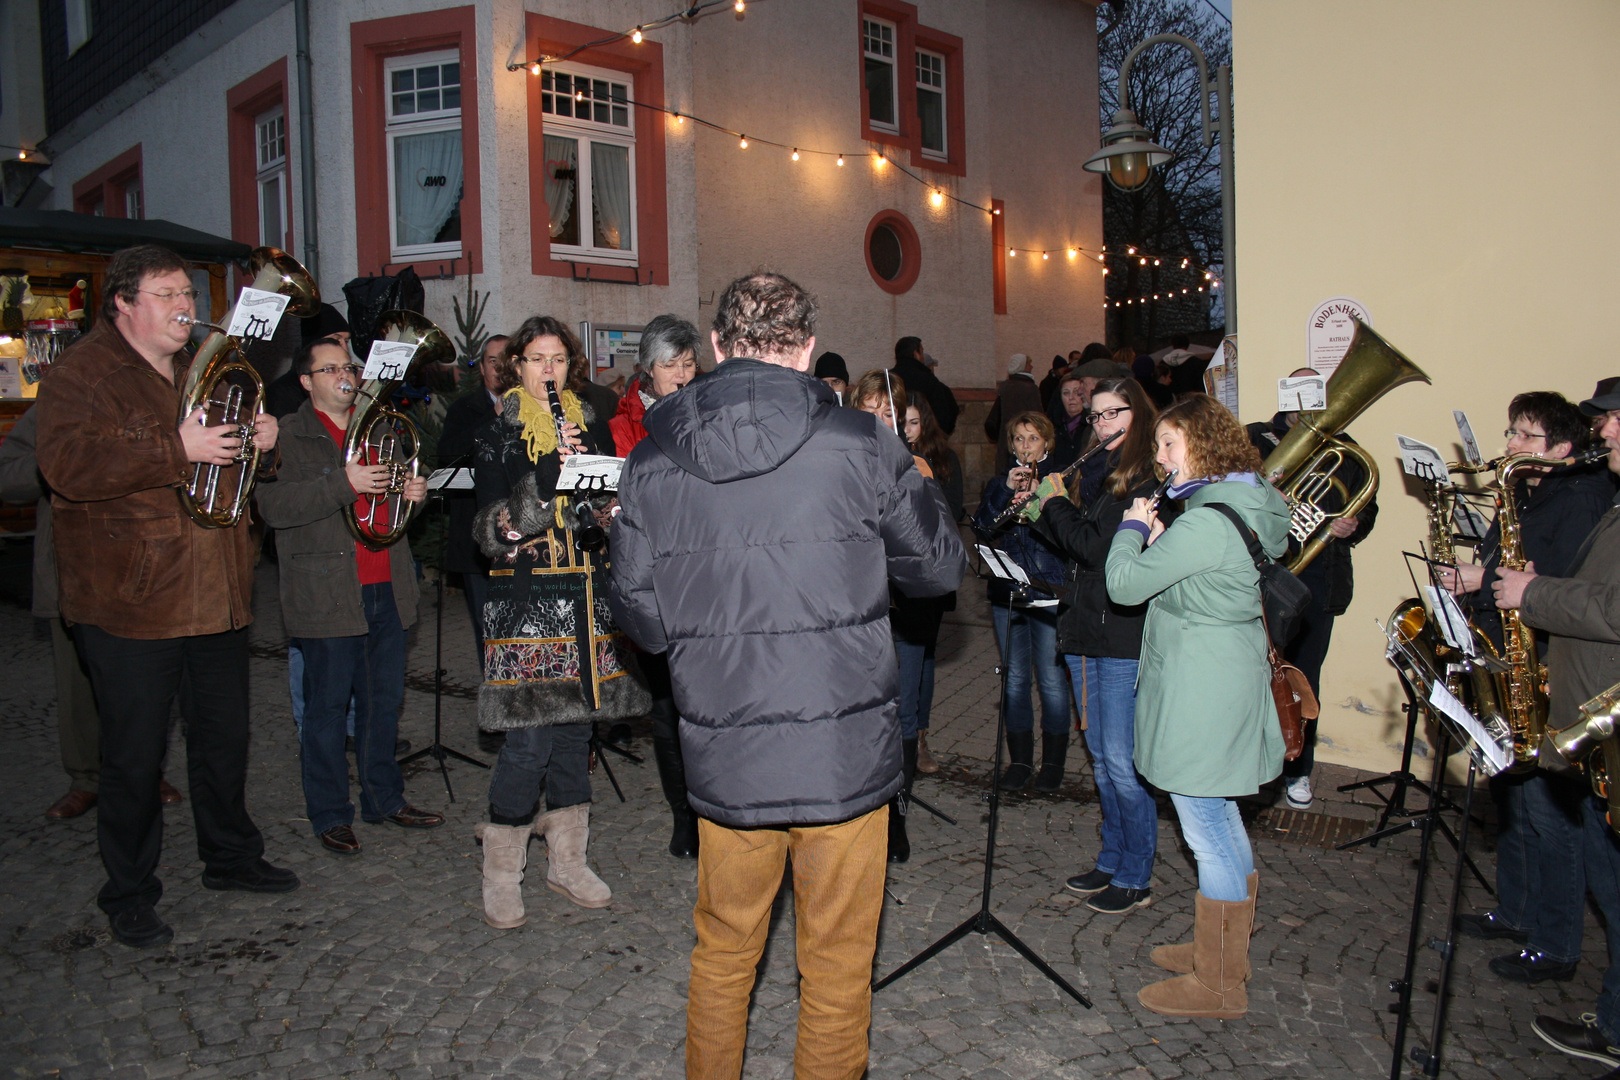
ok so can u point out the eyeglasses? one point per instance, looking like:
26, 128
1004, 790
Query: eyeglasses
560, 358
1106, 414
171, 297
1515, 433
337, 369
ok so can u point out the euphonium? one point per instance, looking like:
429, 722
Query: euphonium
1303, 465
378, 434
218, 363
1594, 731
1526, 701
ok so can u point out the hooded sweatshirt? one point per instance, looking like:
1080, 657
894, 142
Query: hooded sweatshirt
760, 527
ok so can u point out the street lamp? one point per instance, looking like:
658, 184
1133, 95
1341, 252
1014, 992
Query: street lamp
1129, 155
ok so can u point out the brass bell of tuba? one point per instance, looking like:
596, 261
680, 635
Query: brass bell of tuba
1303, 465
378, 434
222, 383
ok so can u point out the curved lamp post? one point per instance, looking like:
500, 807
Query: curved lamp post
1129, 155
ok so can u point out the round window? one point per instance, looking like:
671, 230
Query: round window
884, 251
893, 254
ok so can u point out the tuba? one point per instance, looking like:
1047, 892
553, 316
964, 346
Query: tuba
217, 496
1527, 702
1592, 738
378, 434
1303, 465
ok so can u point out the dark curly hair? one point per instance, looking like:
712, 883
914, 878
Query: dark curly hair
761, 314
1216, 443
536, 326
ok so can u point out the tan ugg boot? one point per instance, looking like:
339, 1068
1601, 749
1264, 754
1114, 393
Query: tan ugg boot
1179, 958
506, 852
568, 832
1220, 965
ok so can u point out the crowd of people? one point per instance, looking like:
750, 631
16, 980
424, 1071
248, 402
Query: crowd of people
788, 730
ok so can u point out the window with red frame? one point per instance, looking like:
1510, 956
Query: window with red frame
911, 86
114, 190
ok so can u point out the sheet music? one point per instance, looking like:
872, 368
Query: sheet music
592, 472
1449, 618
1001, 565
1495, 760
451, 479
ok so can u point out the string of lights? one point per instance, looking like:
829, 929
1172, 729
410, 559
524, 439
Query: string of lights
937, 196
1160, 297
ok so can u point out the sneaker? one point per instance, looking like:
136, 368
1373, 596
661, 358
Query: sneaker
1298, 793
1489, 926
1583, 1040
1532, 966
1092, 881
1117, 901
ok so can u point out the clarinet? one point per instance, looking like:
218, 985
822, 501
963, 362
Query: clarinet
589, 536
1016, 506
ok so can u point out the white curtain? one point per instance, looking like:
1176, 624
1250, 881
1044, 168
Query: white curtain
610, 195
421, 208
562, 155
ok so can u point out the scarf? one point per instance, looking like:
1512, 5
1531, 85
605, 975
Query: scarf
539, 429
1181, 491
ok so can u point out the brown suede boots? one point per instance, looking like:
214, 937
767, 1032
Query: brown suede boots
1214, 985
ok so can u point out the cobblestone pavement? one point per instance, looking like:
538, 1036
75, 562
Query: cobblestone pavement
380, 966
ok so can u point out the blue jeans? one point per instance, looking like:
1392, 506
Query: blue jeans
371, 668
1215, 833
1601, 864
1029, 639
554, 758
1130, 820
916, 686
295, 685
1553, 808
1518, 871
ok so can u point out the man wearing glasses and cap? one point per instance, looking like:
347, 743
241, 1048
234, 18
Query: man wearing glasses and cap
1581, 615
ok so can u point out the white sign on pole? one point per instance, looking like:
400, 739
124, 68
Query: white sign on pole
1222, 374
257, 314
1328, 333
1307, 393
389, 360
1421, 460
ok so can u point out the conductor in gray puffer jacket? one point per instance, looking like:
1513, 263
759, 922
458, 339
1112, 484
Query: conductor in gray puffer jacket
760, 527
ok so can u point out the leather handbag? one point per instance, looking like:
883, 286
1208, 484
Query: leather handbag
1291, 692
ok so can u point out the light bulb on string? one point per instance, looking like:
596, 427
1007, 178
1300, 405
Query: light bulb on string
1073, 252
880, 161
579, 95
742, 142
1105, 271
840, 161
996, 212
1130, 251
679, 119
795, 153
1155, 262
1046, 254
635, 35
1184, 264
739, 5
1012, 251
1142, 261
936, 198
534, 69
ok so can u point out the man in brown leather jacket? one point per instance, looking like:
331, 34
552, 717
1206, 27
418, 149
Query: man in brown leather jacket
159, 605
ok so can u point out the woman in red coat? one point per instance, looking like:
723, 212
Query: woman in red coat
667, 361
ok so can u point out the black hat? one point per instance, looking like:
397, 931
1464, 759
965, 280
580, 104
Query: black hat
328, 320
829, 365
1604, 398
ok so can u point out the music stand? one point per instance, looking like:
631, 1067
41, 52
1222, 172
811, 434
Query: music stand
984, 920
457, 479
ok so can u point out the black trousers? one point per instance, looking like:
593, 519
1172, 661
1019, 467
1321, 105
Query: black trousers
1306, 652
136, 684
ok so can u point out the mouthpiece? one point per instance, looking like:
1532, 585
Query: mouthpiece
347, 388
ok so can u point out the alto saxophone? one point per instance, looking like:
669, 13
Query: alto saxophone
1527, 676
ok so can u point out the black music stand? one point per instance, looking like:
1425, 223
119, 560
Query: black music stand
436, 749
984, 920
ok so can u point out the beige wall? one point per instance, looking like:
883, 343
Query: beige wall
1030, 92
1389, 151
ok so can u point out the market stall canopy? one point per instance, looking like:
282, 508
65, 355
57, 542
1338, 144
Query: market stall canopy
62, 230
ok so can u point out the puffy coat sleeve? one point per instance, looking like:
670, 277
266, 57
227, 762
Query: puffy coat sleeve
1568, 607
924, 550
631, 598
1135, 574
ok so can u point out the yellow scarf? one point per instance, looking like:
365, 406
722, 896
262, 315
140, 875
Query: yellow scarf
539, 429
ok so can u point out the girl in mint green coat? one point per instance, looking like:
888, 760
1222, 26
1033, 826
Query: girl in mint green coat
1206, 724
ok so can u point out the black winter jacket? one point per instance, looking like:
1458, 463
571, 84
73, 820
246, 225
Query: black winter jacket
461, 423
920, 379
760, 527
1091, 624
1554, 518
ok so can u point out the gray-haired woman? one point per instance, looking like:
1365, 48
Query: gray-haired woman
666, 361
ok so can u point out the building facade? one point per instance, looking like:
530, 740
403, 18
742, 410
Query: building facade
607, 181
